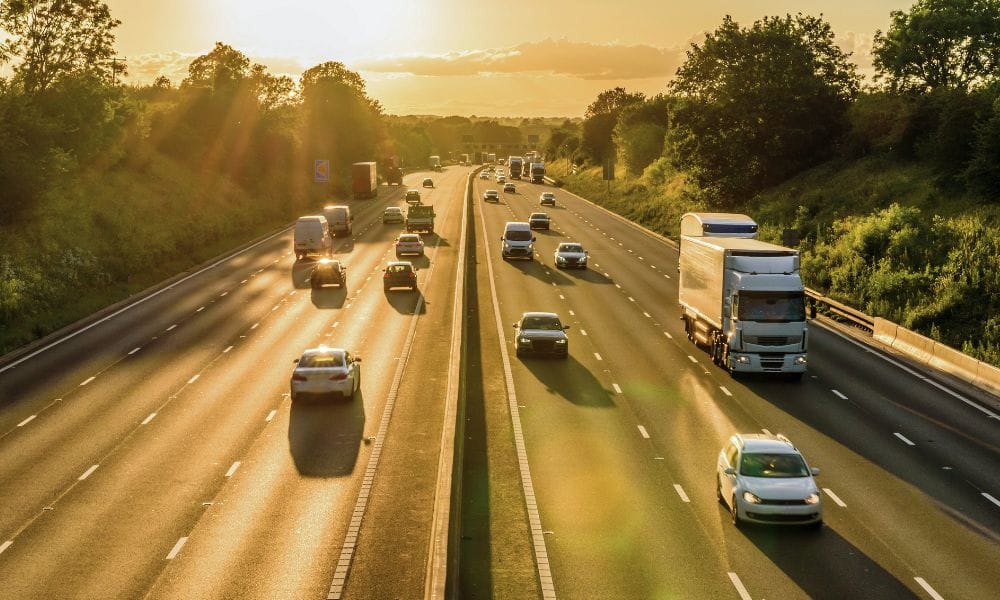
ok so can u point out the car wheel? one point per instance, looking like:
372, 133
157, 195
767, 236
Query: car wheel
294, 396
735, 512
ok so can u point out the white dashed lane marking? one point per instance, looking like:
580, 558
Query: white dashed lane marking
148, 419
927, 588
617, 389
725, 391
88, 472
88, 380
903, 438
134, 350
232, 469
740, 588
643, 432
270, 415
177, 548
839, 395
26, 421
835, 498
194, 379
692, 359
597, 356
172, 327
681, 493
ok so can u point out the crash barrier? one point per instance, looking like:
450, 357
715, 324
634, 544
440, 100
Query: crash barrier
842, 311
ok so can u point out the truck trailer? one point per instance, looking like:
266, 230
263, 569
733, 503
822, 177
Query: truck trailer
364, 180
537, 172
743, 300
514, 166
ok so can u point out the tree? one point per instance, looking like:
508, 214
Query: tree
600, 120
640, 132
55, 39
759, 104
940, 44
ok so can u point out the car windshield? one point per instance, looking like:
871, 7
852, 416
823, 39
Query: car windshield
333, 358
773, 465
771, 307
571, 248
545, 323
518, 235
393, 210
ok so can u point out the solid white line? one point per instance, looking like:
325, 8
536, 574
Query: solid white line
227, 349
927, 588
903, 437
194, 379
681, 493
740, 589
148, 419
89, 379
616, 387
668, 335
839, 395
26, 421
692, 359
649, 316
583, 332
232, 469
172, 327
87, 473
134, 350
270, 415
835, 498
200, 309
177, 548
991, 498
725, 391
597, 356
5, 545
643, 432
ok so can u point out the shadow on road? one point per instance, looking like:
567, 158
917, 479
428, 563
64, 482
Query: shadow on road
324, 435
301, 270
405, 301
569, 379
329, 297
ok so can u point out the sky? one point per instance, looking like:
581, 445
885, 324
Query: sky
460, 57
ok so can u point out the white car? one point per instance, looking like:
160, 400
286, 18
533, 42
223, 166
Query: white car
491, 196
409, 243
764, 479
570, 255
484, 175
325, 371
501, 178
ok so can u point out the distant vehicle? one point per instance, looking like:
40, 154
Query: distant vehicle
501, 178
420, 217
537, 172
339, 218
491, 158
399, 274
541, 333
465, 160
312, 236
484, 174
509, 188
517, 241
328, 272
435, 163
539, 220
326, 371
744, 301
409, 243
412, 196
547, 199
718, 225
764, 479
392, 214
428, 182
491, 196
569, 255
364, 180
394, 171
515, 164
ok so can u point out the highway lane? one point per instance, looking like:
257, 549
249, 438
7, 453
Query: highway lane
193, 432
871, 544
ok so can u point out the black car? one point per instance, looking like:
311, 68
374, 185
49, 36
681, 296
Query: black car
541, 333
399, 274
539, 220
328, 272
412, 196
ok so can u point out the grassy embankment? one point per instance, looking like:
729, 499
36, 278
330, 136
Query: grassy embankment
886, 237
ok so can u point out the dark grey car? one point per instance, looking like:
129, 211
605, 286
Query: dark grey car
541, 333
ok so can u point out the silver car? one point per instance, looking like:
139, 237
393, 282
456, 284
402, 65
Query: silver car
541, 333
571, 255
764, 479
326, 371
409, 243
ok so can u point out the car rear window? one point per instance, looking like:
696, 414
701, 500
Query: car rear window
322, 360
773, 465
409, 239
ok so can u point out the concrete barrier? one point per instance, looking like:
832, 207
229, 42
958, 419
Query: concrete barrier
884, 331
988, 378
914, 345
954, 362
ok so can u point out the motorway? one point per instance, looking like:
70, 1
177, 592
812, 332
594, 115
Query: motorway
156, 454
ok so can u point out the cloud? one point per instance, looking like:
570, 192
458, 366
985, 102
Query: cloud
145, 68
561, 57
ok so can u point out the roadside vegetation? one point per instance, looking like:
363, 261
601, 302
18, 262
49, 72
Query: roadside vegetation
893, 188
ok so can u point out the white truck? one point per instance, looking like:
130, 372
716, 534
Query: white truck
435, 162
744, 301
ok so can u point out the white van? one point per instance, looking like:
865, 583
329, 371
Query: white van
517, 241
312, 236
339, 218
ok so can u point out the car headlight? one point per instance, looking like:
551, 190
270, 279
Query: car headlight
560, 259
560, 341
812, 498
525, 340
751, 498
741, 359
800, 360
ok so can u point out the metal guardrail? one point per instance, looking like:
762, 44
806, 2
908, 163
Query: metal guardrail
841, 311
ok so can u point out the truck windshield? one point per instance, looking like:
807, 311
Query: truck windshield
773, 307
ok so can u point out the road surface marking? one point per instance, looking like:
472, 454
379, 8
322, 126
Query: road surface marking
670, 337
223, 294
335, 325
643, 432
616, 285
572, 314
26, 421
270, 415
276, 306
991, 498
172, 327
227, 349
134, 350
561, 297
553, 284
5, 545
767, 431
87, 473
681, 493
631, 299
200, 309
667, 276
232, 469
839, 395
583, 332
597, 356
903, 437
242, 282
630, 252
254, 326
648, 316
652, 266
88, 380
146, 421
194, 379
177, 548
927, 588
725, 391
292, 293
692, 359
740, 589
641, 258
618, 390
835, 498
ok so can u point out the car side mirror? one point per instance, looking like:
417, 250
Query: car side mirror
815, 471
295, 360
357, 359
516, 325
730, 471
533, 238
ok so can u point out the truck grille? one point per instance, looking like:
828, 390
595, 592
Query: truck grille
772, 340
772, 362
